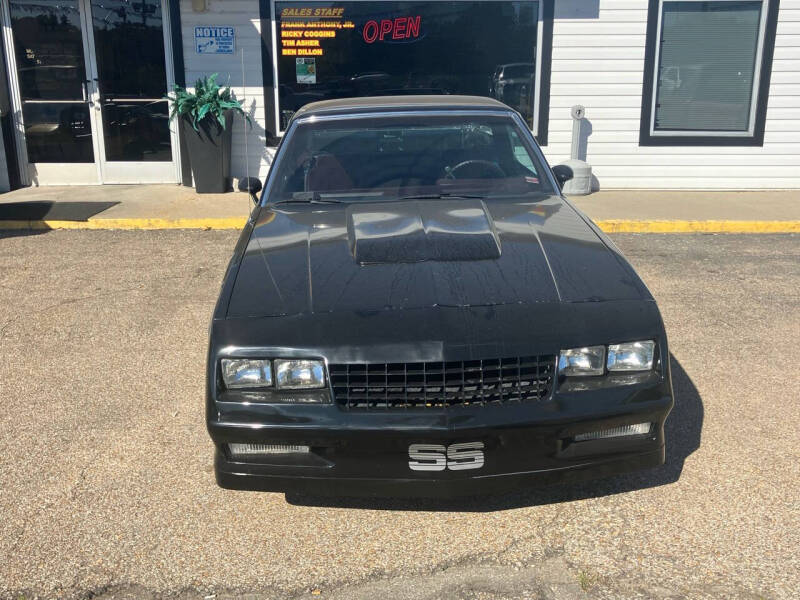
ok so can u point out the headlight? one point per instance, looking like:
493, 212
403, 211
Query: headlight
246, 373
588, 360
631, 356
299, 374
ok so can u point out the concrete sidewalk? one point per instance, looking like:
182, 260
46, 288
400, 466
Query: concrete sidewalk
139, 207
681, 211
178, 207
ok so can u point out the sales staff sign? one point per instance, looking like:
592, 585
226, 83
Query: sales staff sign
214, 39
305, 31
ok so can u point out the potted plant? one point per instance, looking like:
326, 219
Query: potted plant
206, 117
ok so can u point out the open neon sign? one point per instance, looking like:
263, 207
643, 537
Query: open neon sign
400, 28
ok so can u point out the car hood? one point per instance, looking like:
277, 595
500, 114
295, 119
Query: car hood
394, 256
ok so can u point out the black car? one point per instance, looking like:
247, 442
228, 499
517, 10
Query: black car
414, 309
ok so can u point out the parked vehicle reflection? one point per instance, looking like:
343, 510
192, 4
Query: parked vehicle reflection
513, 84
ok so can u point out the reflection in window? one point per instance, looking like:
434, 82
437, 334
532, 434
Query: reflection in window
706, 68
350, 49
58, 132
49, 49
48, 46
129, 43
137, 131
376, 159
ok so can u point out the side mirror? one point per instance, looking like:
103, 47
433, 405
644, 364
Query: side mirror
563, 174
251, 185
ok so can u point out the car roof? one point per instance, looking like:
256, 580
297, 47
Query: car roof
344, 106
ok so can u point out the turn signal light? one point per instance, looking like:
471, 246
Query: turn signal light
624, 430
242, 450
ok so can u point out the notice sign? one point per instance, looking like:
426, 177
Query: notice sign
306, 70
212, 39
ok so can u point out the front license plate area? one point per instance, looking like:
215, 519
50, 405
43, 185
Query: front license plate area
461, 456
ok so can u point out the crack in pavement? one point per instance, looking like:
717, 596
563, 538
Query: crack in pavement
549, 580
553, 578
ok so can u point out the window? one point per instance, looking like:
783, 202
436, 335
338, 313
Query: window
707, 80
521, 153
326, 50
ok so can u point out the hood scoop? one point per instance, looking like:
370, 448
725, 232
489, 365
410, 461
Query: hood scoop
410, 231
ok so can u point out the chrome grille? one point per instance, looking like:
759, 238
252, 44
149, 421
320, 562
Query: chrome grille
443, 384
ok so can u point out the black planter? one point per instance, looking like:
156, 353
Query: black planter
210, 153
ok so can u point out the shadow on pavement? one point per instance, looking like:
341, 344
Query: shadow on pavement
36, 210
12, 233
683, 429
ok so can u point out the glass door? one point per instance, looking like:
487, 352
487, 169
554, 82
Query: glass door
57, 116
128, 85
92, 75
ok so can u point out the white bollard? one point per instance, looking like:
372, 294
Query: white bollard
581, 182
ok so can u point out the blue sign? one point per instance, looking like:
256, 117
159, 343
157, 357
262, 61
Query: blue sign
212, 39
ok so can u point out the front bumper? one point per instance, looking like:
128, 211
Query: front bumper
239, 476
367, 453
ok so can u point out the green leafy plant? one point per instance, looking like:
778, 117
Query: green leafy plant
208, 100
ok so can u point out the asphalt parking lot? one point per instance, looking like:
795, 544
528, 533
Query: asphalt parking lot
106, 483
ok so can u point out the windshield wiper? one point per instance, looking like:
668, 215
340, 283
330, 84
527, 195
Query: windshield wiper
316, 198
307, 198
441, 196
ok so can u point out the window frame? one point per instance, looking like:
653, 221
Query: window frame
270, 54
754, 136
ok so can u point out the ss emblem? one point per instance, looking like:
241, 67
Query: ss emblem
435, 457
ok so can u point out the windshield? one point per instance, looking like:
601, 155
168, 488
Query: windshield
388, 158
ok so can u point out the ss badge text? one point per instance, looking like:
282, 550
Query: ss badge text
435, 457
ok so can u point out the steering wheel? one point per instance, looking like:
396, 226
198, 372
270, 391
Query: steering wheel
481, 169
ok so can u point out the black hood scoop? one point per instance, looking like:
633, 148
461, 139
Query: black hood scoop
410, 231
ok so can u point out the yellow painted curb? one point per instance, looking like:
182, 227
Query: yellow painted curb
608, 225
630, 226
132, 223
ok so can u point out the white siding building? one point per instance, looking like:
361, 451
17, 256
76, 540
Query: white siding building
679, 94
598, 62
242, 72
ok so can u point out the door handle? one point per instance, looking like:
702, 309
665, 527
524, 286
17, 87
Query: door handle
86, 97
